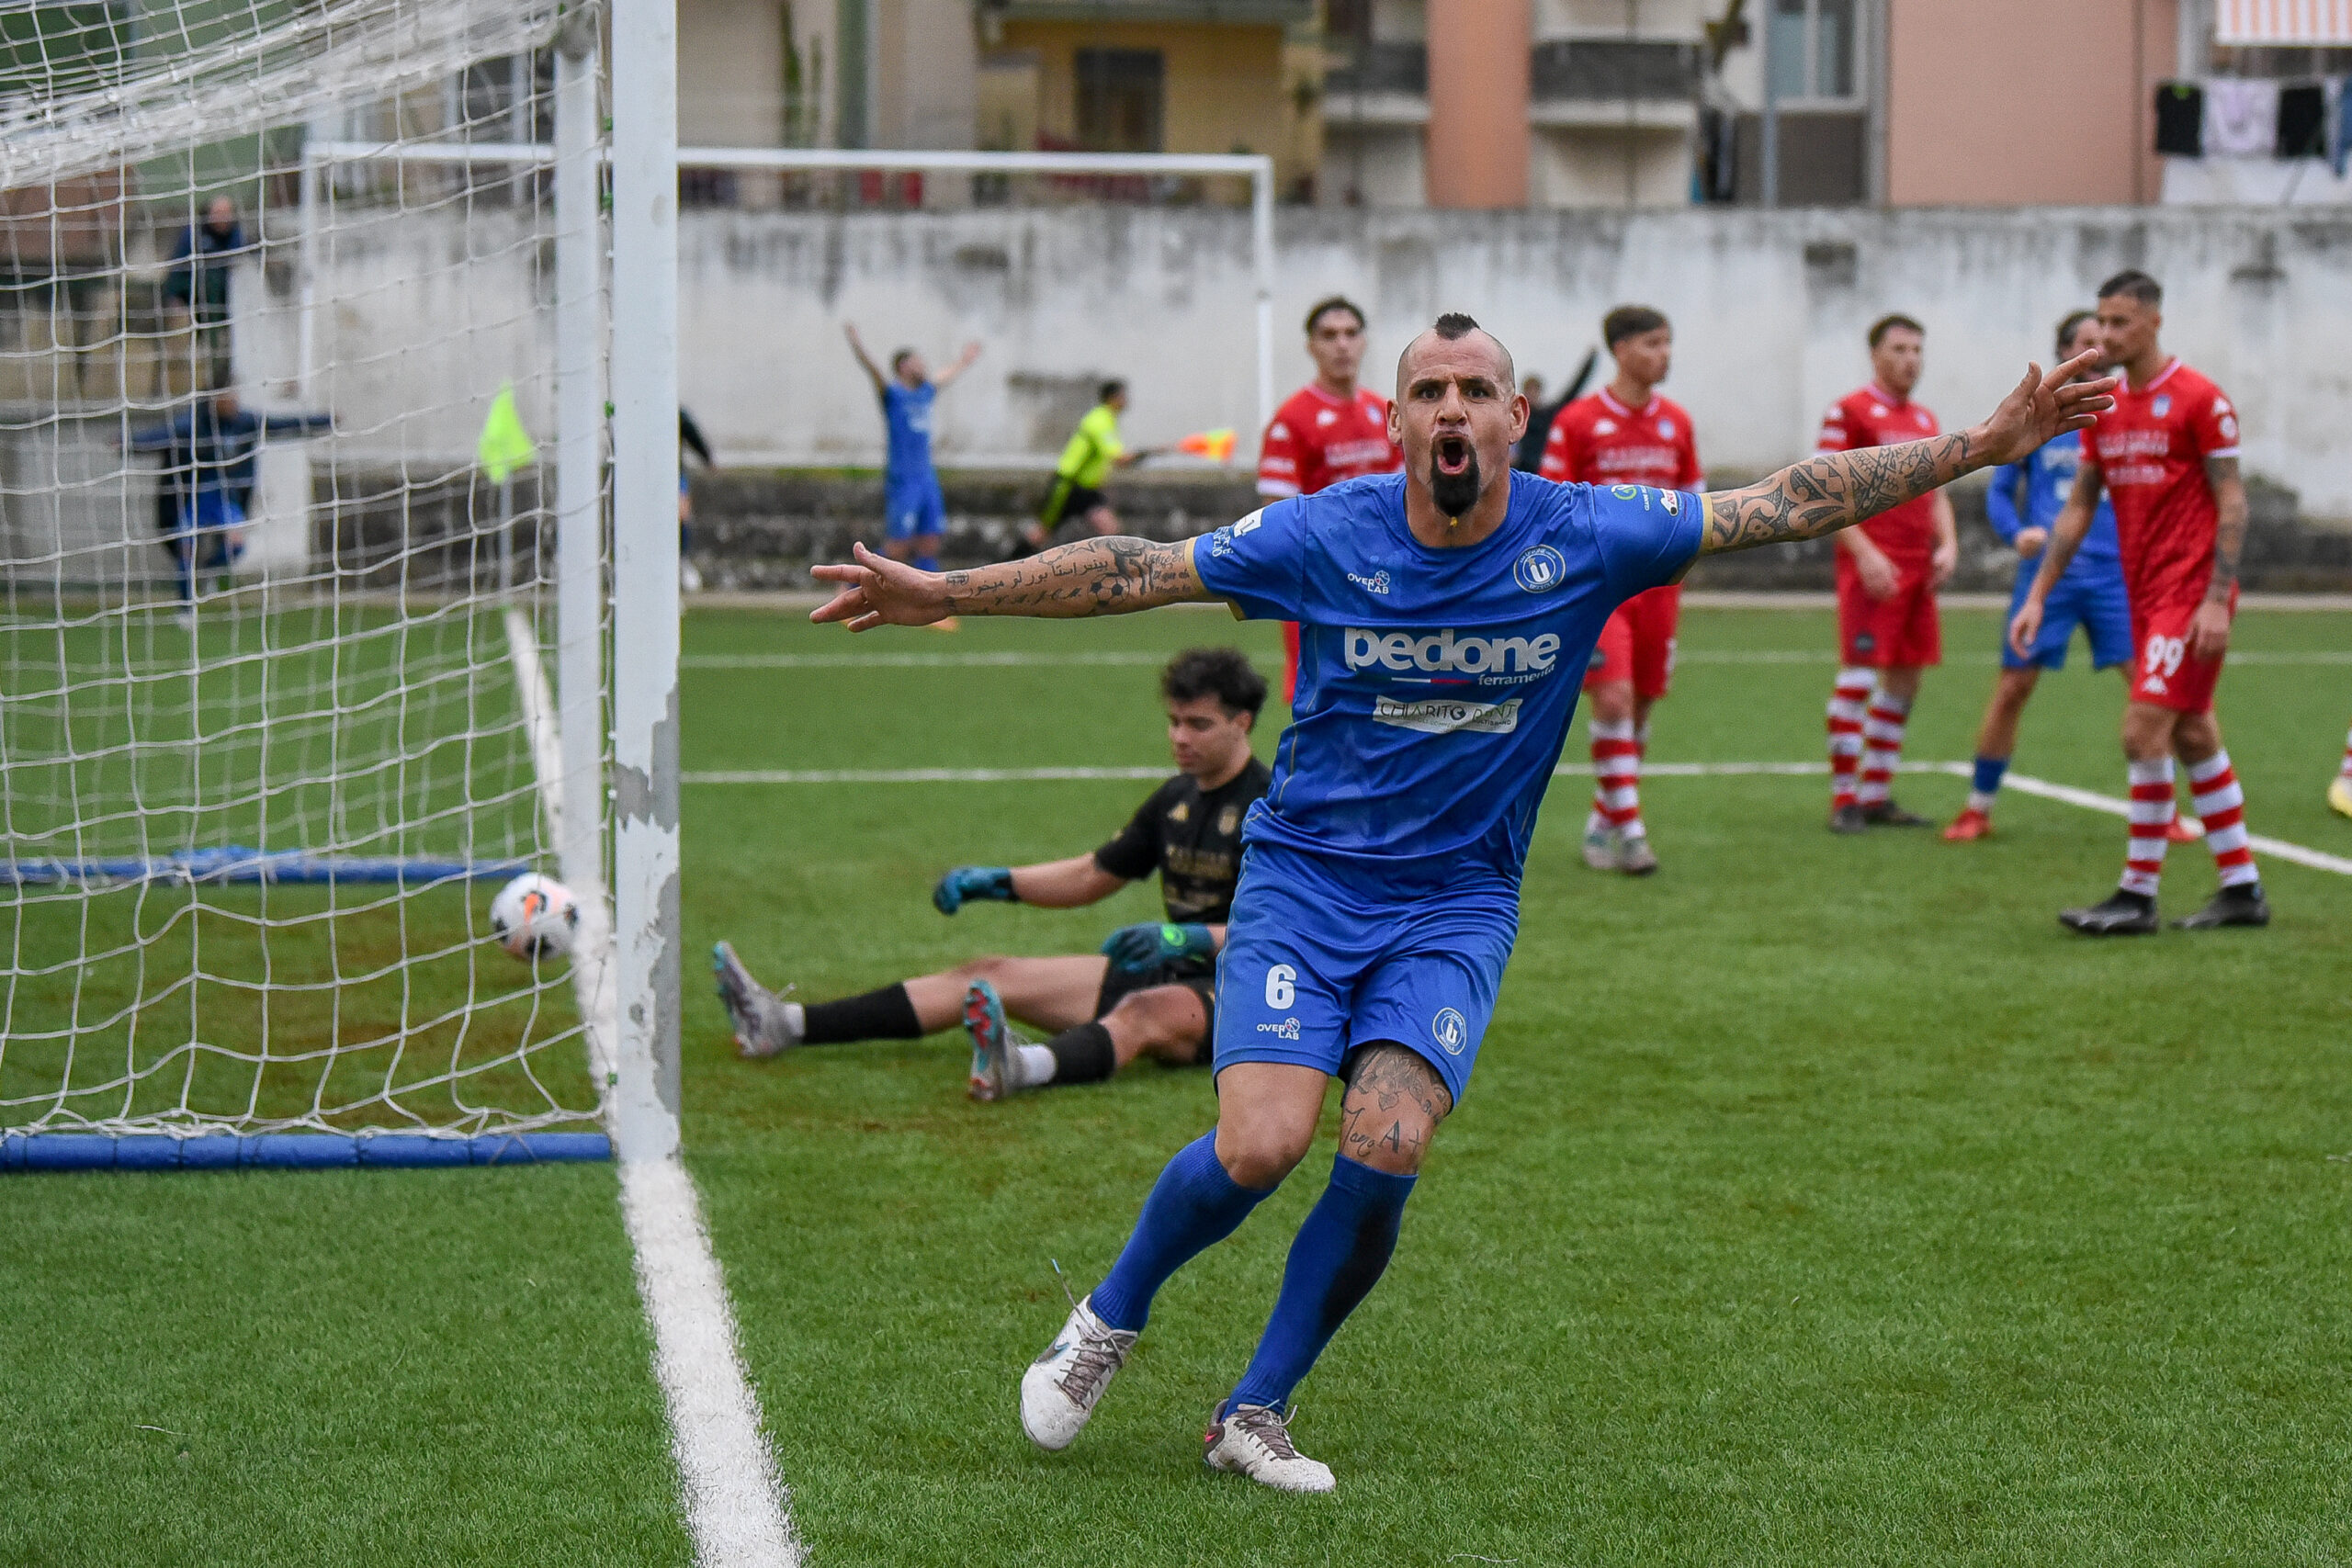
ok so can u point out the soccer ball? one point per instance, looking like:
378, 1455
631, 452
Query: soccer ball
534, 917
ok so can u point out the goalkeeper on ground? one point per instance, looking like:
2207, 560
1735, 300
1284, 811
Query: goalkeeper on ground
1152, 991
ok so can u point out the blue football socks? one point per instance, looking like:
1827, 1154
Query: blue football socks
1338, 1256
1193, 1206
926, 563
1988, 774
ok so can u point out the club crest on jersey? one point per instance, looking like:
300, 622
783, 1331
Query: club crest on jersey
1665, 430
1451, 1030
1181, 812
1605, 427
1542, 569
1228, 821
2163, 405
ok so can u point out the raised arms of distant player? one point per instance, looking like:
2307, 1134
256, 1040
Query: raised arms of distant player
857, 346
1093, 577
1836, 490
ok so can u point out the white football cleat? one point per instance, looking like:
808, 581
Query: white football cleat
1254, 1440
1059, 1390
1600, 848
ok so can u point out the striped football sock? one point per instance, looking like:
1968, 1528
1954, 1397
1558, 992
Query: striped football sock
1883, 724
1847, 700
2347, 754
1617, 776
2152, 812
2220, 804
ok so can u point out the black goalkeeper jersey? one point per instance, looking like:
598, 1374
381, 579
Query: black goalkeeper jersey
1192, 838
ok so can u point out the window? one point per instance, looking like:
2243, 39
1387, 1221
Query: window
1119, 98
1815, 47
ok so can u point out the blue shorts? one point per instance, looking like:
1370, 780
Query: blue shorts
915, 513
1315, 965
2096, 602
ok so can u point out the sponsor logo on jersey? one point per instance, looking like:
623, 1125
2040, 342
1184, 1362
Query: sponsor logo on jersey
2155, 683
1451, 1030
1327, 417
1605, 427
1624, 492
1443, 716
1377, 583
1282, 1029
1671, 500
1542, 567
1228, 821
1444, 652
2162, 406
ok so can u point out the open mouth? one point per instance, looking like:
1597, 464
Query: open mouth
1452, 454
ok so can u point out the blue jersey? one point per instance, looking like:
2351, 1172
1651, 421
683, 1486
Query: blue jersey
1435, 686
2049, 476
907, 411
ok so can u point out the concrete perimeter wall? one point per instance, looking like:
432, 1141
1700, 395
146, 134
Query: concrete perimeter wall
1770, 311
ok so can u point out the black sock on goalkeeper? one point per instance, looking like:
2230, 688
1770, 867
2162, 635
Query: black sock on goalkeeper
1084, 1054
885, 1014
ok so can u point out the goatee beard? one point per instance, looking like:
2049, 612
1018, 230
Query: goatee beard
1455, 493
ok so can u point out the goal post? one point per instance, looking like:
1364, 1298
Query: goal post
253, 802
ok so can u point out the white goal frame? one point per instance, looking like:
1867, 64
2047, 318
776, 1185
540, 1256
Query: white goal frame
636, 1006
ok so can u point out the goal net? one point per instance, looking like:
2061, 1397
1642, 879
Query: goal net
298, 339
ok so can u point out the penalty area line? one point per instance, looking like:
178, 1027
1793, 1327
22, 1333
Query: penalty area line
2025, 784
734, 1498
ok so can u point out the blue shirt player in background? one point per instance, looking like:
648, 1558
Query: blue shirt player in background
2089, 595
914, 512
1447, 614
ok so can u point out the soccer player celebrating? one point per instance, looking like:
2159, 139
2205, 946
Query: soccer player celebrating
2090, 595
1627, 434
2167, 452
1153, 991
914, 510
1330, 430
1888, 572
1447, 614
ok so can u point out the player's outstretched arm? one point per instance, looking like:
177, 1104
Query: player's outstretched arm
1093, 577
1838, 489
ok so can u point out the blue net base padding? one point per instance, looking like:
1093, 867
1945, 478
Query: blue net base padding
244, 864
290, 1151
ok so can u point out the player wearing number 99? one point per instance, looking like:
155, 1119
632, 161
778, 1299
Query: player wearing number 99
1447, 616
2167, 452
1152, 991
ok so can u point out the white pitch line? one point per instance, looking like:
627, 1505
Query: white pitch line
2318, 860
1015, 660
735, 1501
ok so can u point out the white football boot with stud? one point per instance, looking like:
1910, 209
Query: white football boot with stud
1059, 1390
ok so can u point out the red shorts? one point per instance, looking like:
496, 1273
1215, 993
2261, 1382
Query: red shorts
1901, 629
2164, 675
1637, 644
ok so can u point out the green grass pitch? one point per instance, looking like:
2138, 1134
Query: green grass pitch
1816, 1200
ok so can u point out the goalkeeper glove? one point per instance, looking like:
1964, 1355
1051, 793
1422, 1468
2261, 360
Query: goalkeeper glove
1137, 949
973, 882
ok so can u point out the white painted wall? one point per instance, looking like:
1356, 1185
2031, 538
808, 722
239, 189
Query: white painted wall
1770, 309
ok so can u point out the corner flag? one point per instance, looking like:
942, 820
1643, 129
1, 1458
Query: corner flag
504, 445
1216, 446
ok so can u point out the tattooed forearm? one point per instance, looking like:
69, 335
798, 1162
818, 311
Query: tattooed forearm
1832, 490
1093, 576
2228, 529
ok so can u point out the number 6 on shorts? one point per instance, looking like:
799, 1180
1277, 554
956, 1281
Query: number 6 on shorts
1280, 990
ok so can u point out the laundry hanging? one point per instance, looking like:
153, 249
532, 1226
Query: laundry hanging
2180, 119
2241, 118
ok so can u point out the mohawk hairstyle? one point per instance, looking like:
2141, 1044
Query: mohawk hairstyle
1455, 325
